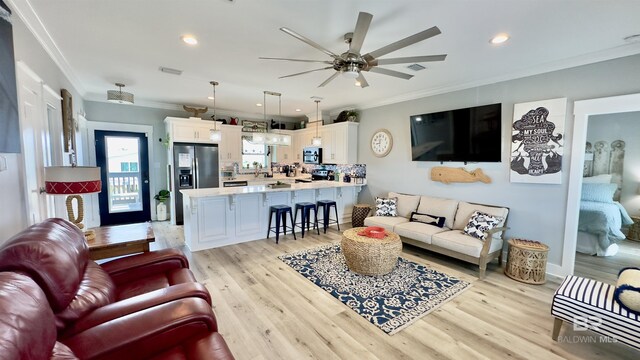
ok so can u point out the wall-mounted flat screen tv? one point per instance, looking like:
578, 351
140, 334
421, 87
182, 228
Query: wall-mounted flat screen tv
469, 135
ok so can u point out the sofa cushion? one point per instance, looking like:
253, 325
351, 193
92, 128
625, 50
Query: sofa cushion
465, 210
54, 254
406, 204
387, 222
457, 241
386, 206
479, 223
418, 231
439, 207
427, 219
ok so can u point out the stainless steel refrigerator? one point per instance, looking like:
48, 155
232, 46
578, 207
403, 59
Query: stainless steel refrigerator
195, 167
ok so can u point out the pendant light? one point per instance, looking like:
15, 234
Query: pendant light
215, 134
271, 138
119, 96
317, 140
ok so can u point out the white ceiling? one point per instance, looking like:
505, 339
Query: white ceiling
102, 42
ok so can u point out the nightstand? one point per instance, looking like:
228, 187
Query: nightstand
634, 230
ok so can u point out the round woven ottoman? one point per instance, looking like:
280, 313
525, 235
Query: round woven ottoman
527, 261
370, 256
360, 212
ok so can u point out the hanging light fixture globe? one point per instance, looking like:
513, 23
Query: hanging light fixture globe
317, 140
215, 134
119, 96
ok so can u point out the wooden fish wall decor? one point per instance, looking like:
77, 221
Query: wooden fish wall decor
449, 175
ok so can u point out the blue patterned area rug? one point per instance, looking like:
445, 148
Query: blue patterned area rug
390, 302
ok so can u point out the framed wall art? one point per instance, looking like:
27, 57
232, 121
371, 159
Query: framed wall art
67, 119
537, 141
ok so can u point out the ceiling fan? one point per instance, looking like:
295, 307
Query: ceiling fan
351, 63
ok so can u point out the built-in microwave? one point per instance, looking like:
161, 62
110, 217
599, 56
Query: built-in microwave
312, 155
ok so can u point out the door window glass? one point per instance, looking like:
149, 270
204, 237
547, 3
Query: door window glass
123, 157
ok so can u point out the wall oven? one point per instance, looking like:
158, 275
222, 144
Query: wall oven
312, 155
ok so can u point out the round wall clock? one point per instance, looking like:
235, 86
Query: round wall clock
381, 142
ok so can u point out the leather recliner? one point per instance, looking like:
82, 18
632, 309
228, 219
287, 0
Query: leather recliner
179, 329
83, 294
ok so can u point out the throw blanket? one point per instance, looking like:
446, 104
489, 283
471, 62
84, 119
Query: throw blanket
604, 220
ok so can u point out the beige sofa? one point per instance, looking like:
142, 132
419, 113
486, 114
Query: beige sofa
449, 239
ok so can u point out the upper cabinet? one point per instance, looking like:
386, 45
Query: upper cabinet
340, 143
190, 130
286, 154
301, 139
231, 144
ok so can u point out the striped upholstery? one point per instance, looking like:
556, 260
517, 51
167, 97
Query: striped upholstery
586, 298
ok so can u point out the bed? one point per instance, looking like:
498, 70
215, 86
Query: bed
602, 217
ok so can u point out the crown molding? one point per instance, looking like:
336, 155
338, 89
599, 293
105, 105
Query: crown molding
27, 14
591, 58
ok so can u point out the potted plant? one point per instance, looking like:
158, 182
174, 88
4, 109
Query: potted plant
352, 115
161, 209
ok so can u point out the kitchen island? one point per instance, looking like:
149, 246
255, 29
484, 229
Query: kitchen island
224, 216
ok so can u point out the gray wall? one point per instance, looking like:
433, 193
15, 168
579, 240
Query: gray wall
537, 211
626, 127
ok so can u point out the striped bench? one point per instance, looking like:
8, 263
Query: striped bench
589, 304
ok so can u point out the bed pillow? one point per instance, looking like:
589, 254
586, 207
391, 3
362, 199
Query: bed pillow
627, 292
598, 179
479, 223
598, 192
427, 219
386, 206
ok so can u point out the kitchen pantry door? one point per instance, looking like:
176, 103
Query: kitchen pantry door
123, 158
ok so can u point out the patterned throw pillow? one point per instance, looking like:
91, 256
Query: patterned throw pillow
479, 223
386, 206
427, 219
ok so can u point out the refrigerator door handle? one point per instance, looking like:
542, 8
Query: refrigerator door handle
195, 171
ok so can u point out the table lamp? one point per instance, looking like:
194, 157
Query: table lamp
73, 181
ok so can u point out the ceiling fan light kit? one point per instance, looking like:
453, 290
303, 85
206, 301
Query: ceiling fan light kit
351, 64
119, 96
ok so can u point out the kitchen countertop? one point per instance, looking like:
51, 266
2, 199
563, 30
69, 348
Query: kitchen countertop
322, 184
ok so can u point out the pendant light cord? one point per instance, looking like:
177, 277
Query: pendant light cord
317, 104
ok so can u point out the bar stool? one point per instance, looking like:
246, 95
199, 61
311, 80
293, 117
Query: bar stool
305, 210
281, 213
326, 213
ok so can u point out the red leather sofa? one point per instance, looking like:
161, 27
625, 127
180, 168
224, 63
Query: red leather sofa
180, 329
84, 297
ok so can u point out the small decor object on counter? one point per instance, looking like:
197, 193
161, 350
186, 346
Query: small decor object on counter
196, 112
347, 178
448, 175
527, 261
376, 232
161, 209
279, 185
360, 212
233, 121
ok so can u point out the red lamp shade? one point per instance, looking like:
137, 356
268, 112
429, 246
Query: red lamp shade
70, 180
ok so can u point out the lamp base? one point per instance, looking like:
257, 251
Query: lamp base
89, 235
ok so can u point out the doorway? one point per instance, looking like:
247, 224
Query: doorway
123, 158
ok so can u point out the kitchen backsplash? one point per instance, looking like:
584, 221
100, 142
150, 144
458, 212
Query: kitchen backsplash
355, 170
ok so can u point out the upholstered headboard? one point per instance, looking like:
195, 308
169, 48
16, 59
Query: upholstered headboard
602, 158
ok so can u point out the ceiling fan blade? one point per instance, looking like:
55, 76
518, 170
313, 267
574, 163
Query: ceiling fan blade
363, 82
329, 79
362, 26
391, 73
410, 40
300, 60
308, 41
306, 72
410, 59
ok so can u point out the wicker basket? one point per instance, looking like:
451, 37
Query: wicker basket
360, 212
369, 256
527, 261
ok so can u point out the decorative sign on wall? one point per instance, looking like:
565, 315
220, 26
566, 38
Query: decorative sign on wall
9, 124
254, 126
537, 141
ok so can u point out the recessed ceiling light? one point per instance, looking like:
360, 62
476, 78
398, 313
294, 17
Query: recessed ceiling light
258, 104
357, 83
500, 38
298, 110
189, 39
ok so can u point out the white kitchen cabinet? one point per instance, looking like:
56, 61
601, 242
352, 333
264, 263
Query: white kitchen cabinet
190, 130
340, 143
302, 139
208, 222
230, 147
286, 154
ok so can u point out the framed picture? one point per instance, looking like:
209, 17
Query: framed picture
537, 141
67, 119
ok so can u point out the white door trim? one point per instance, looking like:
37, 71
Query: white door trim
581, 111
93, 218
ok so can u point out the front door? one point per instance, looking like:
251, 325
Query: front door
123, 159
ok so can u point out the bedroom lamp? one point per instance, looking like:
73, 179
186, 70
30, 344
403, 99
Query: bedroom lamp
73, 181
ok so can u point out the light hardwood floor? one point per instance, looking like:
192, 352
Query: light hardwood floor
606, 269
266, 310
